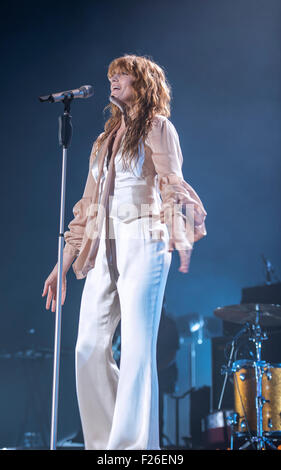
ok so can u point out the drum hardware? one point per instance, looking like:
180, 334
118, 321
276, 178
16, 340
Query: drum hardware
227, 370
244, 423
269, 314
258, 336
268, 374
254, 316
233, 420
270, 425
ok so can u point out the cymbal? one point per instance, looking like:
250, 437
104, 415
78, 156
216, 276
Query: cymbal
269, 314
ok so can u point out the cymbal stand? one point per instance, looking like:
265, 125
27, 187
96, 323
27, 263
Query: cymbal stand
257, 337
228, 369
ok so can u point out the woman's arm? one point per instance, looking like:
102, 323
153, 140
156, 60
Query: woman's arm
73, 240
182, 210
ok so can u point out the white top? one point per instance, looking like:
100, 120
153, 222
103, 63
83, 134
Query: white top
132, 193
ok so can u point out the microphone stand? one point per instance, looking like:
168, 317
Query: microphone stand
65, 134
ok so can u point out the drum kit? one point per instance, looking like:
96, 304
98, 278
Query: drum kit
257, 383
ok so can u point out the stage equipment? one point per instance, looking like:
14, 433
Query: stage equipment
197, 328
216, 429
199, 408
220, 355
245, 391
262, 294
266, 376
65, 134
84, 91
36, 407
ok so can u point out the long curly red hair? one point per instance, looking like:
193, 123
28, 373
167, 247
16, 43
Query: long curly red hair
152, 96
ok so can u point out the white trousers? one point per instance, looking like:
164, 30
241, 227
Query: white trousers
119, 407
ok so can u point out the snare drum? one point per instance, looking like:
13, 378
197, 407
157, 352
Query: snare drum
244, 381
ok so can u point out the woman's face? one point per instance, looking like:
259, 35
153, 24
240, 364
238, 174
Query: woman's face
121, 87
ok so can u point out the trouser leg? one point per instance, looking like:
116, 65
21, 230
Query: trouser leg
143, 265
96, 370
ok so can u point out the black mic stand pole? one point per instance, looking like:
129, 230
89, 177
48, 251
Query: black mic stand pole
65, 133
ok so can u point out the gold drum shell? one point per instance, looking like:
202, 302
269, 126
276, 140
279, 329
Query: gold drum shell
244, 382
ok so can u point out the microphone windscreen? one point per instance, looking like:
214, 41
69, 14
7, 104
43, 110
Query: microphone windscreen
87, 90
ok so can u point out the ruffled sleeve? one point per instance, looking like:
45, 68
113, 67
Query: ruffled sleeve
182, 209
74, 236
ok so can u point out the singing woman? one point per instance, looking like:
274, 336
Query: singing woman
136, 209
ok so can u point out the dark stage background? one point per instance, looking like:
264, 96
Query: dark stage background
222, 59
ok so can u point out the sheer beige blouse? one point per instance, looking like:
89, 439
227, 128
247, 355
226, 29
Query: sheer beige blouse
181, 208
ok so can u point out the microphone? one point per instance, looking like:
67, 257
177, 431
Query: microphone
84, 91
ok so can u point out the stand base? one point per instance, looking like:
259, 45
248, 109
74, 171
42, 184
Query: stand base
243, 441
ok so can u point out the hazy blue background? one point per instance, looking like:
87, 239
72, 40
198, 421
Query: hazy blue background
222, 59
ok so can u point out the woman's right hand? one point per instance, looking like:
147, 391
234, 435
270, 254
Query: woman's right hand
50, 288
